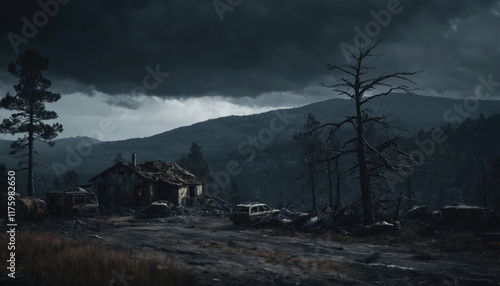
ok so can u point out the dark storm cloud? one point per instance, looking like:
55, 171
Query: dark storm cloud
261, 46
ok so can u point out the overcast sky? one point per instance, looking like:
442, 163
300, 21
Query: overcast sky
147, 66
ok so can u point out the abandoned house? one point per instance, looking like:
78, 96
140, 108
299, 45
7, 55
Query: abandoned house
142, 184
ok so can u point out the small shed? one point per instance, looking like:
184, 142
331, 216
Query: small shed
142, 184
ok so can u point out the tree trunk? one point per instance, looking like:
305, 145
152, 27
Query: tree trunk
330, 184
31, 189
409, 192
484, 187
313, 191
337, 201
498, 196
363, 168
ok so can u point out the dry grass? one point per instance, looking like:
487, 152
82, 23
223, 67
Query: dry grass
48, 259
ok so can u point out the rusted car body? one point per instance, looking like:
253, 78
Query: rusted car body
72, 202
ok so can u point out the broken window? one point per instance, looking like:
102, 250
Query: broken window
91, 199
254, 210
241, 209
140, 191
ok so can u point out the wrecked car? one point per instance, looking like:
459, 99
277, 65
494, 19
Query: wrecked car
157, 209
73, 202
251, 212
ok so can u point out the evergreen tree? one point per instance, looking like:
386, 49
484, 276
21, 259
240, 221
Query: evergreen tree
196, 164
3, 178
311, 149
234, 192
70, 178
118, 158
29, 104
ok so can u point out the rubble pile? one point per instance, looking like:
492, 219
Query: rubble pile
347, 220
278, 220
117, 209
214, 206
204, 205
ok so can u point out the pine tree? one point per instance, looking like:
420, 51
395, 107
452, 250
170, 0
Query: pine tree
3, 178
118, 158
234, 192
29, 104
70, 178
312, 144
196, 164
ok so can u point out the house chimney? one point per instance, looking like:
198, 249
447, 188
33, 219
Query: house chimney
134, 160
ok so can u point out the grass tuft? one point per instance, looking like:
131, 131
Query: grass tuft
48, 259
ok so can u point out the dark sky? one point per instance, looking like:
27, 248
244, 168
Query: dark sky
257, 55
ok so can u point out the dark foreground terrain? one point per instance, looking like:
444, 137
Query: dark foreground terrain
220, 253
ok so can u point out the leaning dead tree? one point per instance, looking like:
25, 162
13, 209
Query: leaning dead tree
354, 80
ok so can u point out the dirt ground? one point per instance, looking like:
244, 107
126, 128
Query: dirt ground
220, 253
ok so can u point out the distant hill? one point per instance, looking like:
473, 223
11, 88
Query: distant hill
222, 136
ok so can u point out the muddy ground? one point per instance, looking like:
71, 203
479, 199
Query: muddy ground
220, 253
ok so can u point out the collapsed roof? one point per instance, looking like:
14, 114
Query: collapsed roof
158, 171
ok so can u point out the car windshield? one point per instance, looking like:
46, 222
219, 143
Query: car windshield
91, 199
240, 209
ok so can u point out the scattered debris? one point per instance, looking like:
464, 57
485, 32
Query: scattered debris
118, 209
463, 216
215, 205
370, 258
414, 212
463, 211
376, 228
278, 220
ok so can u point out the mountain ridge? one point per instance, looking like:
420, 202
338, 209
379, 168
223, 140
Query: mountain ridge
235, 133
